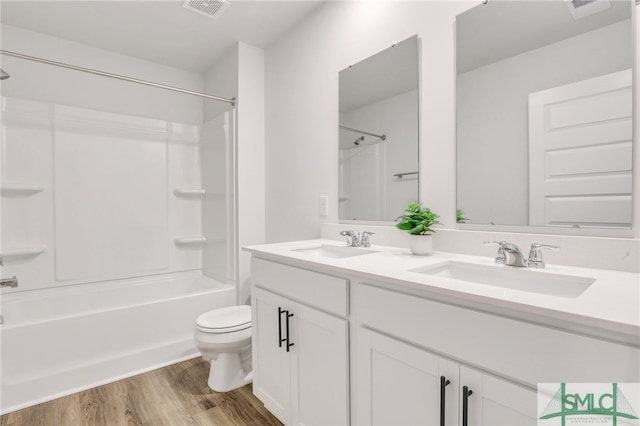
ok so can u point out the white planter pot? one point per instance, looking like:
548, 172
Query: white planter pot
420, 245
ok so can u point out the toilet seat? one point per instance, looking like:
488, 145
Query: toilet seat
225, 320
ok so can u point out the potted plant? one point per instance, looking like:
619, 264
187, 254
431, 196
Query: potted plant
418, 221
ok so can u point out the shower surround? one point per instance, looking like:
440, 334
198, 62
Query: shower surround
117, 218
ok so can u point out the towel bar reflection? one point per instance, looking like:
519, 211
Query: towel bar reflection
401, 175
351, 129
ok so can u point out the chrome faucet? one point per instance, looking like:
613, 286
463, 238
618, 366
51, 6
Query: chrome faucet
508, 253
535, 256
357, 239
501, 257
9, 282
364, 239
514, 256
351, 238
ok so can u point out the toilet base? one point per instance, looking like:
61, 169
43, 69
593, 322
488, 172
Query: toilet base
229, 371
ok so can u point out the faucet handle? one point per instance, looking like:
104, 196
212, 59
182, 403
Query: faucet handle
350, 236
364, 238
501, 257
535, 254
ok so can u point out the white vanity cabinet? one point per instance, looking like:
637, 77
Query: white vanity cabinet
495, 402
336, 344
300, 344
401, 384
405, 343
398, 383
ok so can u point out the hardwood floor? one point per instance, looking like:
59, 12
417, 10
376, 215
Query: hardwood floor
173, 396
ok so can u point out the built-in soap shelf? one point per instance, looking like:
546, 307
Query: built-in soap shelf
190, 241
23, 189
189, 193
21, 252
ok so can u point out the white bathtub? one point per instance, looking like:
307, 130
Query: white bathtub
59, 341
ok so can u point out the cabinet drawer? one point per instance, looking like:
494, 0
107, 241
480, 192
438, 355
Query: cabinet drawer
523, 351
322, 291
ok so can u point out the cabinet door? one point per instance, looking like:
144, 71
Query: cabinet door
271, 369
495, 402
400, 384
319, 368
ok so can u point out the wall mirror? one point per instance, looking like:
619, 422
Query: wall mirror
544, 115
378, 134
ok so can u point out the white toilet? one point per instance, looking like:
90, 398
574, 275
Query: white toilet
223, 337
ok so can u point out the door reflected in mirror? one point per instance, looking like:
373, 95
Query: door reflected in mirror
544, 114
378, 134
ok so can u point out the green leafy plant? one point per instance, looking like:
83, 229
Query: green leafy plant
417, 220
460, 217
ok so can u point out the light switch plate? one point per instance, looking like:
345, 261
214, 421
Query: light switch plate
324, 205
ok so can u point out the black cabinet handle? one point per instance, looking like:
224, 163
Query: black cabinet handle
466, 392
443, 384
289, 315
280, 339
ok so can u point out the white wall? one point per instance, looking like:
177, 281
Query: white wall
302, 114
221, 79
493, 131
251, 159
302, 105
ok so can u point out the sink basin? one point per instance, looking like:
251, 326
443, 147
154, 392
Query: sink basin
334, 252
512, 278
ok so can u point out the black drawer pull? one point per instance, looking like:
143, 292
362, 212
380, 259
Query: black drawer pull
443, 384
287, 339
466, 392
280, 339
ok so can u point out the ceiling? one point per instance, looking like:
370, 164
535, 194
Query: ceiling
485, 34
160, 31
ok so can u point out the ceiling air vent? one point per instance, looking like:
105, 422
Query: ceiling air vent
210, 8
581, 8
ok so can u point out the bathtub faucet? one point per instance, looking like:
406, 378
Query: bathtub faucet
9, 282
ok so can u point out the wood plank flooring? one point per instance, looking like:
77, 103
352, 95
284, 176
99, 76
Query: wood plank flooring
171, 396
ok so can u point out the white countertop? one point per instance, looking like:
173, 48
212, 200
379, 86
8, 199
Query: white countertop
609, 308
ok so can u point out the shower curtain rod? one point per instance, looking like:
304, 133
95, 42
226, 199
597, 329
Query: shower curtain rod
232, 101
383, 137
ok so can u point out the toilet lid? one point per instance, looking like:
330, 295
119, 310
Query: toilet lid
225, 320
